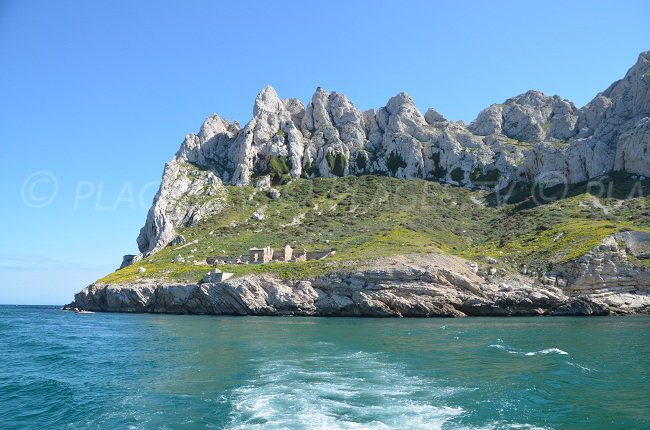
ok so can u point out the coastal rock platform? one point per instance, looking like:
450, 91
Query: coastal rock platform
405, 286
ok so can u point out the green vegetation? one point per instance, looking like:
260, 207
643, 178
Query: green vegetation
394, 162
336, 163
309, 168
340, 163
279, 169
366, 217
330, 159
362, 160
458, 175
640, 262
491, 178
521, 144
438, 171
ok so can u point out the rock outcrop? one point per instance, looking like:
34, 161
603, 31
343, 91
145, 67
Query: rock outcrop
530, 137
607, 268
407, 286
186, 195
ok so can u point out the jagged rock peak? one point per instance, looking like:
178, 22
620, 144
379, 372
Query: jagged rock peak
296, 109
401, 102
531, 97
633, 91
267, 101
397, 100
432, 117
214, 125
522, 139
529, 117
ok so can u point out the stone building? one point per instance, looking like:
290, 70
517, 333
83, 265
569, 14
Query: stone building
285, 255
260, 255
267, 255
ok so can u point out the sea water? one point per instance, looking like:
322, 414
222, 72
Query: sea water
116, 371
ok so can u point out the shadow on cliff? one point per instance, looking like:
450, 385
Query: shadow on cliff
525, 195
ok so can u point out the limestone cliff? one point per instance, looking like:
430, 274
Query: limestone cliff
575, 254
530, 137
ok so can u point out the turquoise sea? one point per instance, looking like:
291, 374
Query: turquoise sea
116, 371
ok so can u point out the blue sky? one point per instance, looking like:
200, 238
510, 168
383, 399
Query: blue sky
96, 96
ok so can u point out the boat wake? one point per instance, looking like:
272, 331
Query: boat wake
348, 391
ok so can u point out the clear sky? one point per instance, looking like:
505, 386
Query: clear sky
95, 96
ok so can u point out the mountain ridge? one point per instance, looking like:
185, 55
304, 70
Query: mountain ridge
534, 208
529, 137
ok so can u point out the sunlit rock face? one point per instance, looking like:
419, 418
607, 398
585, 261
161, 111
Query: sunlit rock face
530, 137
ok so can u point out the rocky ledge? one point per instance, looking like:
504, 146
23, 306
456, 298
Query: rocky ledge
405, 286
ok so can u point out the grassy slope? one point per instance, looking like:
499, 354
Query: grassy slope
370, 216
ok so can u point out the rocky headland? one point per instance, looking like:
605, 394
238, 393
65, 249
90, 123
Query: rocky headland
528, 139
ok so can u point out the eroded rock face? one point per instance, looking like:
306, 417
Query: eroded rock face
530, 137
607, 267
547, 133
407, 286
174, 206
529, 117
633, 149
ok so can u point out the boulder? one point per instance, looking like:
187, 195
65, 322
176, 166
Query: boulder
274, 194
263, 183
258, 215
178, 240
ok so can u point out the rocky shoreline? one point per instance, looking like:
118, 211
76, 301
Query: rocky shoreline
528, 139
405, 286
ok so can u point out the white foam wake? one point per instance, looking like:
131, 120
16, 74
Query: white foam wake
353, 391
529, 354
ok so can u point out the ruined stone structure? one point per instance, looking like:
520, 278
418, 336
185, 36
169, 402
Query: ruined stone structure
260, 255
268, 255
217, 275
286, 255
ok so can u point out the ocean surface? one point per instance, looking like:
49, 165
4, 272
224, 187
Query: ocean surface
115, 371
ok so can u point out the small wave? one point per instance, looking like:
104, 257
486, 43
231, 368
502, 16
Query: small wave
504, 348
529, 354
583, 368
44, 402
548, 351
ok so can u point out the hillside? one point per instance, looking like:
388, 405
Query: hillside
534, 195
367, 217
530, 138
